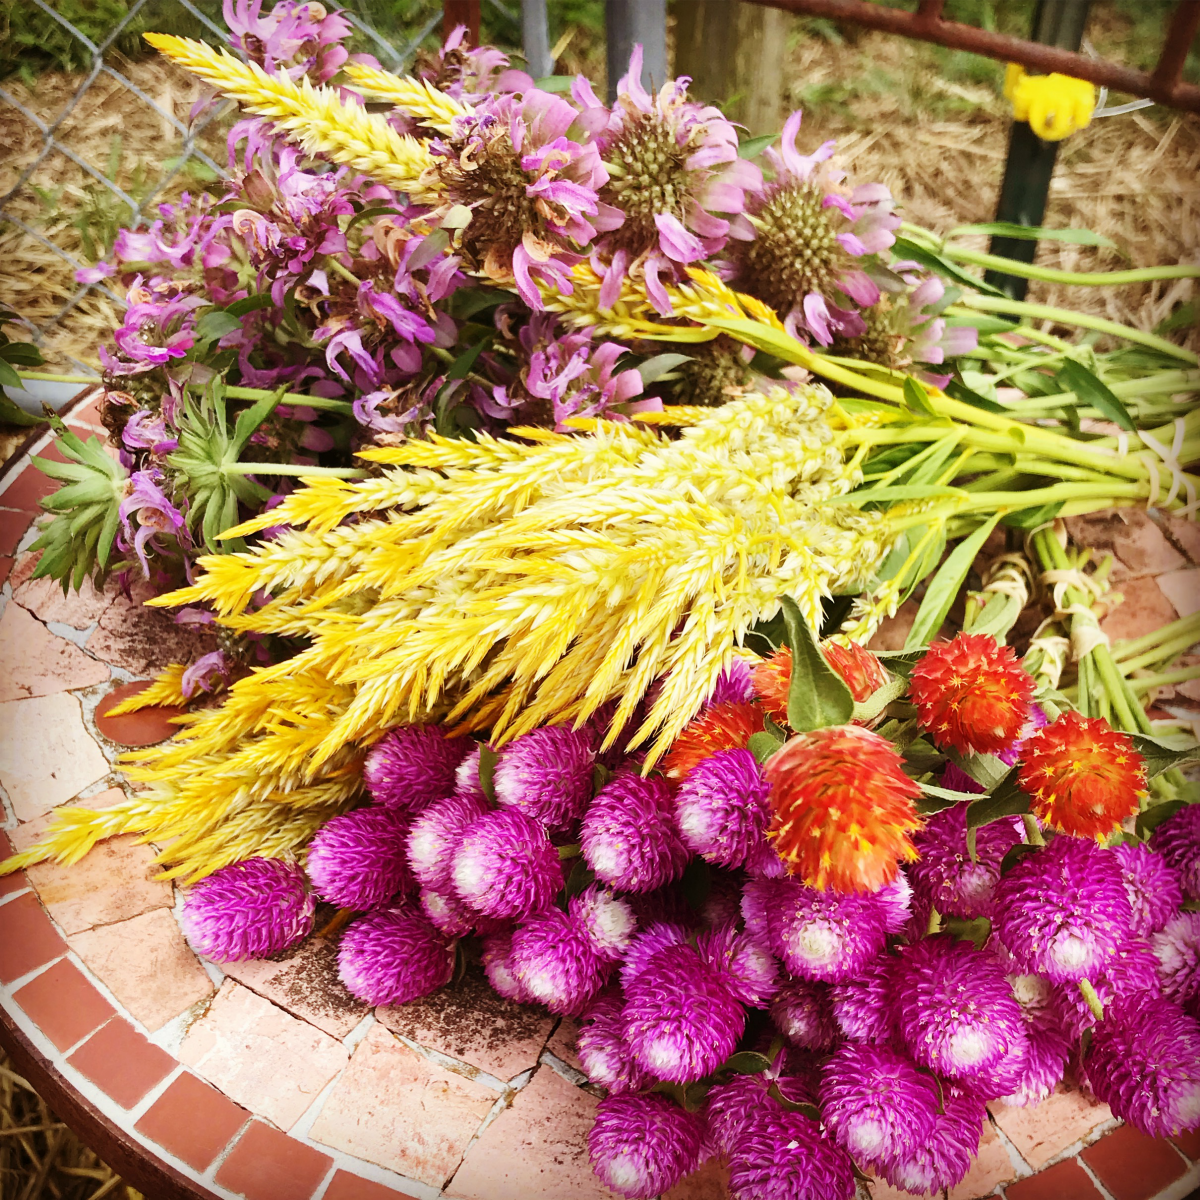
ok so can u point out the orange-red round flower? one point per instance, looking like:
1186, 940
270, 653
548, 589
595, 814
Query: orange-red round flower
972, 694
719, 727
860, 670
1082, 776
842, 808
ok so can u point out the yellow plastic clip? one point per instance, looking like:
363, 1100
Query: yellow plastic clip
1054, 105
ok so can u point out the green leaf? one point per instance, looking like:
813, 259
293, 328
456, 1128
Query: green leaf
809, 1110
1033, 233
1183, 317
937, 799
818, 696
753, 147
661, 364
977, 930
1152, 818
746, 1062
370, 213
1091, 389
9, 377
24, 354
487, 771
466, 302
959, 391
249, 420
1159, 755
763, 745
1007, 800
554, 83
1031, 518
695, 883
904, 248
986, 769
900, 662
917, 398
582, 876
12, 413
944, 586
239, 308
216, 323
765, 637
1015, 854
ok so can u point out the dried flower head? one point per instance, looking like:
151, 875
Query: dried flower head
747, 969
394, 955
607, 920
827, 936
641, 1146
862, 1006
497, 965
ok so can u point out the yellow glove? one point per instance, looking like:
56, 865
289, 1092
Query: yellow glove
1054, 105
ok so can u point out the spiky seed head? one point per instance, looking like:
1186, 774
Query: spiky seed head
945, 873
842, 808
972, 694
506, 866
629, 834
556, 963
719, 727
1082, 776
250, 909
357, 860
435, 834
1177, 839
1152, 885
802, 1013
394, 955
603, 1051
721, 807
412, 767
641, 1146
547, 774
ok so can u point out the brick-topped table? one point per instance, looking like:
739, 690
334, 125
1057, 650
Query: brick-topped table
266, 1080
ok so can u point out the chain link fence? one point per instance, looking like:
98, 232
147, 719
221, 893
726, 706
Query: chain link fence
90, 151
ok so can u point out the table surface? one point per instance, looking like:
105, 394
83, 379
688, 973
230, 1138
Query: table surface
266, 1079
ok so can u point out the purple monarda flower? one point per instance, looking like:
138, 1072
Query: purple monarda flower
1152, 885
748, 971
607, 921
435, 835
784, 1156
357, 860
721, 807
828, 936
1063, 911
802, 1013
249, 909
862, 1007
1177, 948
413, 767
394, 955
629, 834
643, 1145
505, 865
147, 502
1144, 1063
681, 1021
942, 1159
603, 1051
556, 963
945, 872
1177, 839
954, 1008
875, 1102
547, 774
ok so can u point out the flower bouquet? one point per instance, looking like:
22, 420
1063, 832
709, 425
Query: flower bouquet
571, 674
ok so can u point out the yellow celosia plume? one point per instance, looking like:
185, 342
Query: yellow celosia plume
413, 96
317, 118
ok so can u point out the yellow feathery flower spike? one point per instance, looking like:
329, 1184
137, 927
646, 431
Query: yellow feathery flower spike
415, 96
317, 117
165, 692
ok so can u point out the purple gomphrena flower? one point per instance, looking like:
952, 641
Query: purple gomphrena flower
497, 965
1063, 911
466, 777
357, 860
942, 1159
643, 1145
414, 766
749, 971
1177, 839
802, 1013
1042, 1068
607, 921
448, 914
681, 1021
721, 807
1152, 885
249, 909
394, 955
954, 1008
656, 936
547, 774
733, 685
1131, 971
629, 834
603, 1051
945, 873
1144, 1063
505, 865
829, 936
555, 962
744, 1099
1177, 948
875, 1102
862, 1006
783, 1156
895, 899
435, 835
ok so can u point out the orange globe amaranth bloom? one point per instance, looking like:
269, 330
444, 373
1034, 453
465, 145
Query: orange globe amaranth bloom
719, 727
1082, 776
842, 808
859, 669
972, 694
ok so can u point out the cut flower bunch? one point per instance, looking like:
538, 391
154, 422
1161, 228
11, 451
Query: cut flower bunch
546, 467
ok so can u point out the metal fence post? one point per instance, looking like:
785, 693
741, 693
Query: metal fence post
627, 23
535, 38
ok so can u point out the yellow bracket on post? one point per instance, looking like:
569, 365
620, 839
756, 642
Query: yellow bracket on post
1054, 105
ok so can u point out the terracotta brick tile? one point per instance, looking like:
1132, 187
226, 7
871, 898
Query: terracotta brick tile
63, 1004
1064, 1181
1189, 1143
709, 1182
12, 527
1133, 1166
16, 881
193, 1121
563, 1044
29, 939
5, 566
1046, 1130
44, 597
344, 1186
268, 1165
146, 727
38, 662
27, 489
121, 1062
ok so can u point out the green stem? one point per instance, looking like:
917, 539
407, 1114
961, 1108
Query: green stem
245, 468
1147, 683
1093, 1000
1081, 278
324, 403
1033, 835
50, 378
1185, 625
1163, 653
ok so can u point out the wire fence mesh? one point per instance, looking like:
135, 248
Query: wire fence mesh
100, 145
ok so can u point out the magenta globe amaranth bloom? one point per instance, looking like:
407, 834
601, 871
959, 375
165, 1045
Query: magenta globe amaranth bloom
802, 1013
743, 1099
862, 1006
505, 865
681, 1021
412, 767
435, 835
555, 961
828, 936
643, 1145
606, 1057
721, 807
249, 909
606, 920
497, 966
629, 835
1177, 839
749, 972
945, 873
1152, 885
1144, 1063
784, 1156
954, 1008
358, 861
1041, 1068
656, 936
1177, 948
394, 955
547, 774
942, 1159
1132, 971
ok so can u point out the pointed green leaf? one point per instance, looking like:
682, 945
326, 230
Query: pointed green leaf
249, 420
487, 771
1007, 800
1152, 818
753, 147
986, 769
216, 323
917, 398
1091, 389
1160, 755
763, 745
661, 364
1033, 233
1015, 855
959, 391
746, 1062
937, 799
818, 696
